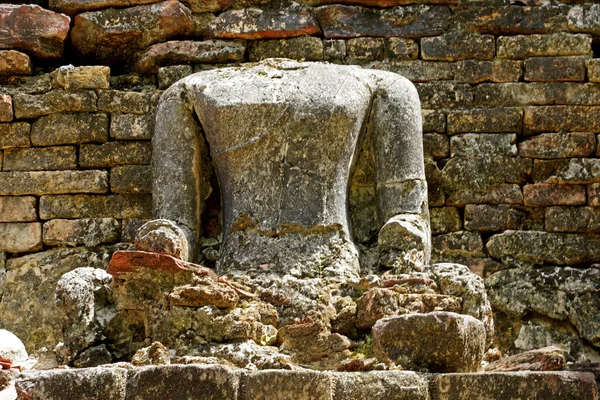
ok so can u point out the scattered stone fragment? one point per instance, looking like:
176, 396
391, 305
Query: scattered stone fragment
155, 354
93, 357
165, 237
13, 62
11, 347
545, 359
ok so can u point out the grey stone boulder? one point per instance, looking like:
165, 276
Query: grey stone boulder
436, 342
11, 347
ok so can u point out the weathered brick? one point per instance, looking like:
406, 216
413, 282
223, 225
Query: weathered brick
56, 101
131, 179
473, 71
545, 69
572, 170
171, 74
444, 95
14, 135
461, 243
131, 126
482, 172
53, 182
545, 194
481, 144
20, 237
6, 108
511, 20
559, 145
59, 129
496, 194
90, 206
18, 209
40, 159
13, 62
86, 231
308, 48
561, 119
485, 120
413, 21
573, 219
435, 145
334, 50
114, 153
593, 69
492, 218
585, 18
558, 44
457, 46
116, 101
445, 220
85, 77
401, 49
593, 194
419, 71
433, 121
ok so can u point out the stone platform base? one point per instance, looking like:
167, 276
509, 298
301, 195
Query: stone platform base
180, 382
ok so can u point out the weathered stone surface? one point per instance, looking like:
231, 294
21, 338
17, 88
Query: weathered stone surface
11, 347
461, 243
282, 385
495, 194
584, 18
436, 145
86, 77
165, 237
481, 144
133, 81
492, 218
433, 121
444, 95
18, 209
87, 231
363, 49
95, 33
13, 62
171, 74
23, 276
561, 119
131, 126
391, 385
34, 30
312, 342
6, 108
473, 71
514, 385
540, 247
401, 49
35, 84
445, 220
572, 170
419, 71
57, 129
340, 21
413, 341
545, 359
14, 135
264, 23
84, 384
593, 192
481, 172
558, 145
53, 182
155, 354
547, 69
114, 206
56, 101
334, 50
190, 52
572, 219
131, 179
485, 120
40, 159
544, 194
74, 7
558, 44
593, 70
436, 196
404, 243
458, 46
510, 20
114, 153
307, 48
117, 101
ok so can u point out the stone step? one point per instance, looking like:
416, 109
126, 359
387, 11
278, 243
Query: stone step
220, 382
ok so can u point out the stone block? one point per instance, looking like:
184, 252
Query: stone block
35, 84
413, 341
558, 145
493, 120
433, 121
593, 192
86, 231
57, 129
43, 39
56, 101
444, 95
131, 126
572, 170
519, 94
20, 237
334, 50
363, 49
117, 101
593, 70
18, 209
474, 71
6, 108
495, 194
501, 19
171, 74
482, 172
14, 135
514, 385
114, 153
85, 77
53, 182
190, 52
458, 46
389, 385
13, 62
264, 23
419, 71
461, 243
129, 228
444, 220
413, 21
90, 206
557, 44
546, 69
572, 219
481, 144
401, 49
585, 18
40, 159
544, 194
283, 385
435, 184
561, 119
498, 218
308, 48
436, 145
131, 179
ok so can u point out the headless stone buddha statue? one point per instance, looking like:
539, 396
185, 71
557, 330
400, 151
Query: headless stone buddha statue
282, 136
